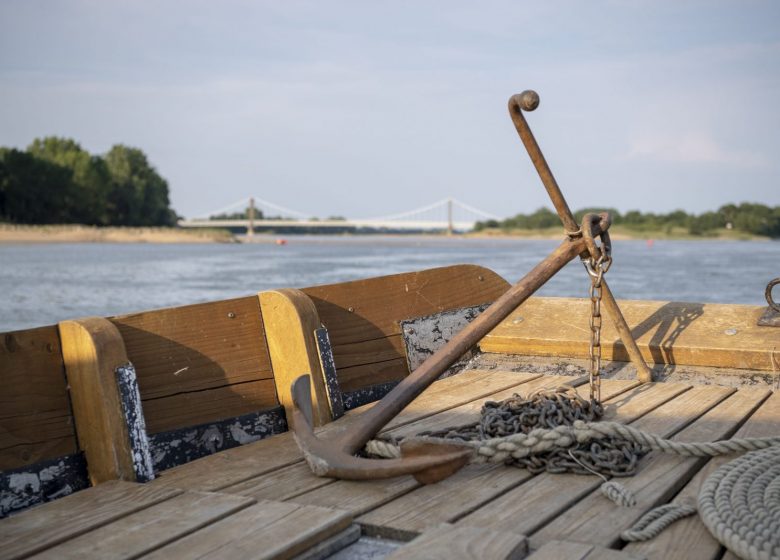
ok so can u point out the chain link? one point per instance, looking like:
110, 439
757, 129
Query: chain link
596, 269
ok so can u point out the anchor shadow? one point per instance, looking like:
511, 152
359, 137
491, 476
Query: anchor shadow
668, 322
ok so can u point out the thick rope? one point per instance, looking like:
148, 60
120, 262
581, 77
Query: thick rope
542, 440
618, 493
656, 520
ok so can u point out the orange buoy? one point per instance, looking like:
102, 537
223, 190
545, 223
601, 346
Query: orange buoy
281, 241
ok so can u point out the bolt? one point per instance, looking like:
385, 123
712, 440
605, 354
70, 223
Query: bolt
517, 320
730, 332
231, 315
351, 309
480, 278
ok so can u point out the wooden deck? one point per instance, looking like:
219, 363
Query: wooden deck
261, 501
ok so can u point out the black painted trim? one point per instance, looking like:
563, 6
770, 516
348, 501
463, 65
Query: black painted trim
325, 350
354, 399
130, 397
169, 449
42, 482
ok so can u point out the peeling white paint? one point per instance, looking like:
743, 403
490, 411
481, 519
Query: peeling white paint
425, 335
241, 436
24, 482
53, 472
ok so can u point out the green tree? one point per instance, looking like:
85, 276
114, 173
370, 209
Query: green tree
34, 191
138, 195
89, 176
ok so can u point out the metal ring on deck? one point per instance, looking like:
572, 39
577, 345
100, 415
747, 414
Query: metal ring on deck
772, 303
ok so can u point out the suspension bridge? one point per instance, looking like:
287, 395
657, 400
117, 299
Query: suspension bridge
255, 214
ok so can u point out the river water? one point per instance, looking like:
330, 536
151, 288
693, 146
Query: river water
45, 283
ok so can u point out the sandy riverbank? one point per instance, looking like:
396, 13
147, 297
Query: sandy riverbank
10, 233
621, 232
88, 234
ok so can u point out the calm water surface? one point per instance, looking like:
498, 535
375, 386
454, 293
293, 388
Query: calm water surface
46, 283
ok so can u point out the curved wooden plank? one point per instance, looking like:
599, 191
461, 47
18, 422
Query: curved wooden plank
92, 350
290, 321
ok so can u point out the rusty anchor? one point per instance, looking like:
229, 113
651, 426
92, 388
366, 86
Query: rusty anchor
428, 463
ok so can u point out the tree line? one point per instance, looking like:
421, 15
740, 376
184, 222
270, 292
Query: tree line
756, 219
56, 181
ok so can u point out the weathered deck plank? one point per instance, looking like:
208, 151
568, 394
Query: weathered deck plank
477, 485
42, 527
689, 539
266, 530
146, 530
447, 542
564, 550
596, 520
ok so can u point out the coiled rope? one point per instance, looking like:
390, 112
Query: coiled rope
739, 504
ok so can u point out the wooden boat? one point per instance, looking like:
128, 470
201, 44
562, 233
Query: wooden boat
163, 434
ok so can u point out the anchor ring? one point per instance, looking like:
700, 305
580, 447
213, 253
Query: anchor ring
772, 303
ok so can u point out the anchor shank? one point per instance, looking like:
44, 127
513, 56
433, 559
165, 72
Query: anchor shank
411, 386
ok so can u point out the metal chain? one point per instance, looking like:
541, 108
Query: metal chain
596, 269
611, 456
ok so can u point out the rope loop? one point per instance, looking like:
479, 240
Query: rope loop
656, 520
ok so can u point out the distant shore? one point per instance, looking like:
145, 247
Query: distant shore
622, 232
11, 233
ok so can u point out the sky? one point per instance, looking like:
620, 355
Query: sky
363, 109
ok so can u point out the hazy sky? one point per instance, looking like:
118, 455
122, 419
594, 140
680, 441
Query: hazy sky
367, 108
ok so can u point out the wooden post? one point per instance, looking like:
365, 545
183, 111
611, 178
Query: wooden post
92, 349
250, 231
290, 319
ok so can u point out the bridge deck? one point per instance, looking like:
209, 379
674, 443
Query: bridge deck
261, 500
